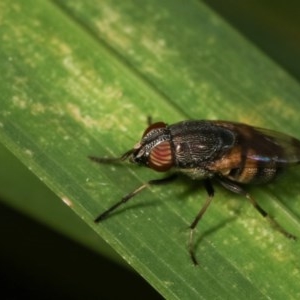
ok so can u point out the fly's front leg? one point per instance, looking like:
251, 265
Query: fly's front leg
129, 196
237, 189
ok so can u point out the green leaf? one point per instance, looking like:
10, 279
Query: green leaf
80, 78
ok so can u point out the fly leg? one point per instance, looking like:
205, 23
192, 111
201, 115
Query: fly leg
210, 191
129, 196
239, 190
149, 120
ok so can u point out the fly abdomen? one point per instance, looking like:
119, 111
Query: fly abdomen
260, 173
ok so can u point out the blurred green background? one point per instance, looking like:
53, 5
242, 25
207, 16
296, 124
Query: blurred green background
273, 26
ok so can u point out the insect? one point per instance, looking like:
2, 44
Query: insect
233, 154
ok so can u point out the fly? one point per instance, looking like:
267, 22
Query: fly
233, 154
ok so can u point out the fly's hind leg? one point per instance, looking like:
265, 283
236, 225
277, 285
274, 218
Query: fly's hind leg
239, 190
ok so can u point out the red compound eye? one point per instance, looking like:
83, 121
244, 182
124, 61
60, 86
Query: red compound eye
154, 126
161, 158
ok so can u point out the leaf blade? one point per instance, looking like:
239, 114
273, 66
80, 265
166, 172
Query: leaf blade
94, 98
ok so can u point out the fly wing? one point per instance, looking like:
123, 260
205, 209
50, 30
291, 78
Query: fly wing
275, 146
257, 155
263, 145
